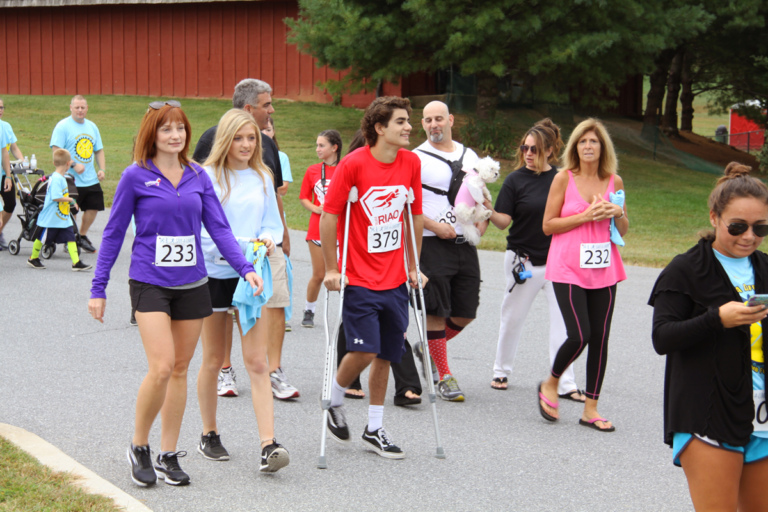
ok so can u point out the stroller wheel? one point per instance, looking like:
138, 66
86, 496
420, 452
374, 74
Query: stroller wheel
48, 251
13, 247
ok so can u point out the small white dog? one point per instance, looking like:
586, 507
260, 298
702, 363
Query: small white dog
471, 196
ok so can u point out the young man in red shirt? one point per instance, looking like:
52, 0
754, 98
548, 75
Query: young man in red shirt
375, 311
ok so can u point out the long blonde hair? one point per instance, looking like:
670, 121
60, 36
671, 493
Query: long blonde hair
608, 163
231, 122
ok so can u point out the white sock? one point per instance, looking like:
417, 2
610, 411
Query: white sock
375, 417
337, 394
311, 306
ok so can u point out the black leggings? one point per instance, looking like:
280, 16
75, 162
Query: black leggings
587, 315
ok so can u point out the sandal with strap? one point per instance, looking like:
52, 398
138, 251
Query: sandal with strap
499, 383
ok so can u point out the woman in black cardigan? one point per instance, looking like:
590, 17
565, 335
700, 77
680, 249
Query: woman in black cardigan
715, 376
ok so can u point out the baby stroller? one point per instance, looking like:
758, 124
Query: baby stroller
31, 186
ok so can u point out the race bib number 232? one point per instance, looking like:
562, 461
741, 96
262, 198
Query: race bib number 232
175, 251
595, 255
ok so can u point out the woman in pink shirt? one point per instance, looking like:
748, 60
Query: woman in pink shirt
583, 264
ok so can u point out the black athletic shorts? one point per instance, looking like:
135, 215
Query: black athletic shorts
9, 198
453, 270
90, 198
50, 236
186, 304
222, 291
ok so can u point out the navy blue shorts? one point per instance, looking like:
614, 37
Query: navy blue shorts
376, 321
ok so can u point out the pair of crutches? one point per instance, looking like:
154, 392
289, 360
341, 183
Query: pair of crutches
421, 322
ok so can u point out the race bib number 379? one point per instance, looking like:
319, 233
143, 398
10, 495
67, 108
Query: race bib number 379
385, 237
175, 251
595, 255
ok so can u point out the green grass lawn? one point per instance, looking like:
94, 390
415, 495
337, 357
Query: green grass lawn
26, 485
666, 204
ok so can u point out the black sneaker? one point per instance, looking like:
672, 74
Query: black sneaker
80, 267
273, 457
142, 472
380, 443
337, 423
168, 468
86, 244
211, 448
309, 319
36, 263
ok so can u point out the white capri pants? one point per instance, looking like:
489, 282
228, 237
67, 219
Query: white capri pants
514, 309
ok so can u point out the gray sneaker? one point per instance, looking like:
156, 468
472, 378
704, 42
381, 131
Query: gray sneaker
280, 387
448, 389
227, 383
309, 319
3, 243
419, 349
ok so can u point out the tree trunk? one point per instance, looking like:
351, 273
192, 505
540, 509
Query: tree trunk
380, 88
686, 96
656, 92
669, 121
487, 95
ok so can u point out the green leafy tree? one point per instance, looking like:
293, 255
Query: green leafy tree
592, 45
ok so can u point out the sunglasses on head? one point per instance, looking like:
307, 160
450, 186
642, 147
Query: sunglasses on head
739, 228
525, 148
157, 105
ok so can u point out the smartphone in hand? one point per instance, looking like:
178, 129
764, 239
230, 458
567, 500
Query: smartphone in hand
758, 300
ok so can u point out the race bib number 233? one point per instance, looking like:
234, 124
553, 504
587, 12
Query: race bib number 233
175, 251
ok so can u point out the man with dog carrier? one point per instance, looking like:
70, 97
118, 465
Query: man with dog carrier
375, 305
451, 263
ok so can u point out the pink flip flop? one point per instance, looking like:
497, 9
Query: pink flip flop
591, 424
544, 399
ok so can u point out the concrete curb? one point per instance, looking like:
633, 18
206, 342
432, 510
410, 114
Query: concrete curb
57, 460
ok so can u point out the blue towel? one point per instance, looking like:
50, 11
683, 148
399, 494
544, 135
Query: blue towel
617, 199
289, 272
248, 305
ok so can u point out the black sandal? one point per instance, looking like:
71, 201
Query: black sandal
569, 395
347, 394
499, 380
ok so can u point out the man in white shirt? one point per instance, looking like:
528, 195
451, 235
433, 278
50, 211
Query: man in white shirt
447, 259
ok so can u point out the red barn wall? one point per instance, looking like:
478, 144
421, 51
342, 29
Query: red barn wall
171, 50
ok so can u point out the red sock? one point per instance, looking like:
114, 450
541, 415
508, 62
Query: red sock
451, 329
438, 351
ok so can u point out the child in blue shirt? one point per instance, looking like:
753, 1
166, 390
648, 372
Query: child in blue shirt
54, 224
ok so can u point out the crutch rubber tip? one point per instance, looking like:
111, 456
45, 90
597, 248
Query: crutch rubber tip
321, 464
440, 453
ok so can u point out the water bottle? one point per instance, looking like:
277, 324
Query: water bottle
26, 162
33, 162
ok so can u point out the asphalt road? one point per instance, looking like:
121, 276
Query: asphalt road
73, 381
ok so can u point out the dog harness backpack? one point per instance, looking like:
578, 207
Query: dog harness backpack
457, 176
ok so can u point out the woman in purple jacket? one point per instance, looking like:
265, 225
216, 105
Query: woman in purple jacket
170, 199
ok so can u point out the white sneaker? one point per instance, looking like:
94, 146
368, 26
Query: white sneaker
227, 386
280, 388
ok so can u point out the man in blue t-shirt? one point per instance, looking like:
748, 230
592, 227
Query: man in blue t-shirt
82, 139
7, 189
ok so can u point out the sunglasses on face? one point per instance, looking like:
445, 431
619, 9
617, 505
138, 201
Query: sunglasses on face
157, 105
739, 228
525, 148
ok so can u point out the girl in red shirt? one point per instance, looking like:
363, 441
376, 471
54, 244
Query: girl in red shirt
313, 188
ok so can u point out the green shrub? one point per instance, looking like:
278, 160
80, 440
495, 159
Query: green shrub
495, 137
